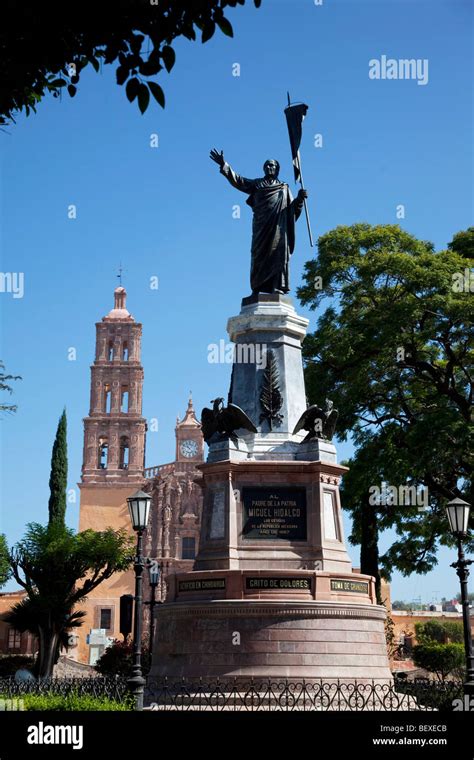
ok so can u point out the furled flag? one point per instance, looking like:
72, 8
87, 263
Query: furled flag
294, 119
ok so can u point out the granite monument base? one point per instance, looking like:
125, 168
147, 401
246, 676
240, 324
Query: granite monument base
261, 624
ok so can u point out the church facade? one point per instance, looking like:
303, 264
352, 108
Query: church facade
114, 468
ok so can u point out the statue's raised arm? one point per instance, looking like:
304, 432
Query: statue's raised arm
240, 183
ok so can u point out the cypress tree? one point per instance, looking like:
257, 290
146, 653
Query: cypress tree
58, 477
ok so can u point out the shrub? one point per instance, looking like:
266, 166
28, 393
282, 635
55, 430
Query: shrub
430, 631
10, 663
454, 631
117, 659
432, 695
390, 637
441, 659
72, 702
441, 631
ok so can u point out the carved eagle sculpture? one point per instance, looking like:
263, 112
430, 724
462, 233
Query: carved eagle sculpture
224, 421
320, 423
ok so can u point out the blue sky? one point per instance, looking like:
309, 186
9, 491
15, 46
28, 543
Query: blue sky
167, 212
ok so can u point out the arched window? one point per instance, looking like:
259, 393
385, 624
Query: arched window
107, 398
124, 398
103, 453
125, 352
124, 453
111, 350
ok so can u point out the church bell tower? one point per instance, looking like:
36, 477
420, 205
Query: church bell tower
114, 431
113, 461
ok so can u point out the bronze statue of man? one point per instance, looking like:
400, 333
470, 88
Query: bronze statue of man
273, 229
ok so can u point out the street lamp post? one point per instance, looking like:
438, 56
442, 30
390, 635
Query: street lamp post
154, 576
458, 517
139, 507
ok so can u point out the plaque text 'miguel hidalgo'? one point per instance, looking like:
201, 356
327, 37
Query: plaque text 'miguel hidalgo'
357, 587
274, 513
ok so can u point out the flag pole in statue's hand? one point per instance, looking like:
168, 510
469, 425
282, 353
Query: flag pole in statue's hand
305, 205
294, 118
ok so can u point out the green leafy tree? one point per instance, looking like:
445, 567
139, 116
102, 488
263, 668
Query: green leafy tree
441, 659
4, 561
394, 351
454, 631
440, 648
463, 244
47, 52
439, 631
399, 605
58, 477
5, 386
27, 615
369, 518
58, 568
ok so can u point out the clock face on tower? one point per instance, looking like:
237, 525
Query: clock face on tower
188, 448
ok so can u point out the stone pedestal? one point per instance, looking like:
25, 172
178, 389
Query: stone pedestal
268, 326
272, 592
267, 515
290, 636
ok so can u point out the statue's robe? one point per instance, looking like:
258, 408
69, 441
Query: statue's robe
273, 229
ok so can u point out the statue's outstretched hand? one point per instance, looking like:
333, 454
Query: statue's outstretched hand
302, 195
218, 157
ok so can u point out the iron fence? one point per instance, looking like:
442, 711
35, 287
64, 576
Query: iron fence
283, 695
255, 695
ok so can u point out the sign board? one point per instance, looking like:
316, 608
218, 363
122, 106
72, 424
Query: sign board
204, 584
274, 513
97, 637
355, 587
254, 583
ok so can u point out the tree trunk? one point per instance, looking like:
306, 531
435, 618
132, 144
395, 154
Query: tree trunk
48, 642
369, 550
